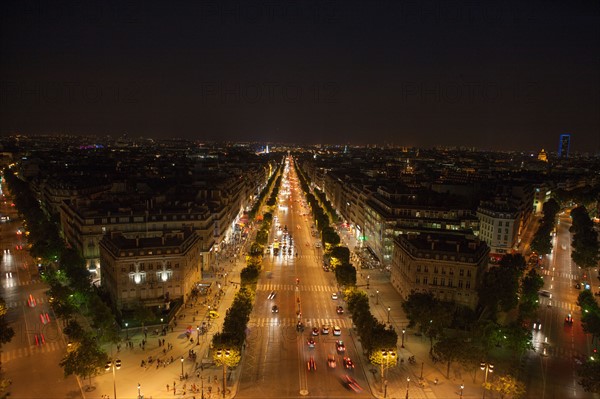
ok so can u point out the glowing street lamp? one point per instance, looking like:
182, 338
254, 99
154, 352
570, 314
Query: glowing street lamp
407, 385
388, 309
116, 365
182, 366
488, 367
403, 333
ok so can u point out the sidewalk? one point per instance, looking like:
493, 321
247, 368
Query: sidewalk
154, 378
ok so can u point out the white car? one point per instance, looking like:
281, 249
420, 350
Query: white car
334, 296
337, 331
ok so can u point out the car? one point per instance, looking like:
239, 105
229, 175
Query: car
272, 295
348, 363
578, 286
213, 314
331, 361
339, 310
334, 296
545, 293
300, 326
569, 319
339, 346
325, 330
351, 383
537, 326
31, 301
311, 343
337, 331
274, 309
312, 365
317, 245
315, 331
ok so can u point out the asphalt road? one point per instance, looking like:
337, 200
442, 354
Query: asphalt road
275, 363
31, 365
559, 346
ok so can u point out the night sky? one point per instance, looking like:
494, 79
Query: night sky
495, 75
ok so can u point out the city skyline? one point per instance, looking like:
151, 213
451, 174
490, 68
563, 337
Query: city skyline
508, 76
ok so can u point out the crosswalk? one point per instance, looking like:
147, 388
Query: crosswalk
17, 304
18, 353
571, 307
569, 276
292, 287
12, 283
292, 321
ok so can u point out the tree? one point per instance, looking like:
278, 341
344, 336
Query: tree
345, 275
6, 332
500, 285
339, 256
507, 386
143, 314
517, 338
86, 359
431, 315
256, 249
589, 375
530, 286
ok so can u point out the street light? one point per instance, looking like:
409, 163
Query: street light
488, 367
223, 354
377, 298
403, 332
368, 278
389, 314
386, 355
139, 394
127, 331
181, 366
113, 365
462, 386
407, 385
198, 335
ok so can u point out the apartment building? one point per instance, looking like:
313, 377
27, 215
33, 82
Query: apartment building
499, 227
153, 271
448, 265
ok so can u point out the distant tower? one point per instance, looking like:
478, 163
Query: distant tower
346, 149
563, 145
542, 156
267, 149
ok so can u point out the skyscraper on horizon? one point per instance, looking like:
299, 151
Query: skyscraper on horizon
564, 144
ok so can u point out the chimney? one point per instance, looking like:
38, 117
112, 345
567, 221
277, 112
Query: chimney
137, 241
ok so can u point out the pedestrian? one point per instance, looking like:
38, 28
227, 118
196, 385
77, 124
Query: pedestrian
167, 387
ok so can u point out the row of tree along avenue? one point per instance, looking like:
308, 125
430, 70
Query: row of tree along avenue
542, 240
378, 339
228, 344
87, 320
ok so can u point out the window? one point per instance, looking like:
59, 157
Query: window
468, 285
131, 268
451, 272
450, 283
460, 283
417, 280
468, 273
435, 269
418, 268
443, 281
426, 269
425, 280
462, 272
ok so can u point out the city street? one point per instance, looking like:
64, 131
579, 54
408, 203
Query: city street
559, 346
31, 359
276, 359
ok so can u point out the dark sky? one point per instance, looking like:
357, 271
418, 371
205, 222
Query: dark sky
500, 75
